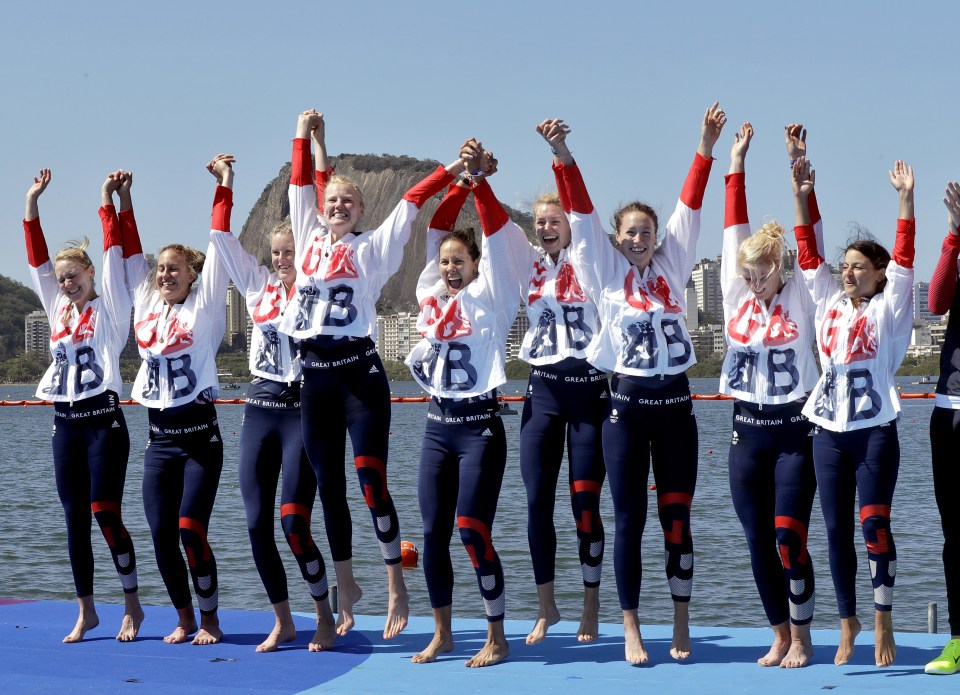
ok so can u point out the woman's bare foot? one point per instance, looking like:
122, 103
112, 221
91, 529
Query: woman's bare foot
547, 615
186, 626
284, 629
680, 647
209, 632
634, 651
780, 646
326, 632
886, 648
801, 647
849, 629
494, 651
398, 603
442, 641
590, 618
132, 618
348, 593
86, 621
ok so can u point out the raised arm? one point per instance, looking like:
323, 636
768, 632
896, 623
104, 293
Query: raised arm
736, 222
713, 121
135, 265
943, 284
214, 278
37, 253
116, 296
904, 248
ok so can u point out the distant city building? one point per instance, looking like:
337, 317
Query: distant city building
396, 335
921, 311
706, 281
235, 333
921, 335
515, 336
36, 333
708, 341
693, 314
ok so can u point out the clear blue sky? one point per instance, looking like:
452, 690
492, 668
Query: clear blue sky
160, 88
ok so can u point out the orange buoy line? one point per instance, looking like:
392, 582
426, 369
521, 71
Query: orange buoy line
424, 399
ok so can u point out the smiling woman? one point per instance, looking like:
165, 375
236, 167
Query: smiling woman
90, 439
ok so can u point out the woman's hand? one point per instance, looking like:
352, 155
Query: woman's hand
952, 201
221, 167
795, 138
803, 178
40, 183
741, 143
554, 131
902, 177
713, 121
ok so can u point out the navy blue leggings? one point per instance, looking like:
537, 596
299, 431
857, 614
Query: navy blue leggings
862, 463
90, 449
944, 445
461, 469
644, 423
181, 472
772, 484
270, 441
566, 401
345, 389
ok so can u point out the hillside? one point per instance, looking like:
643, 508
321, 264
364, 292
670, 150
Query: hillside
383, 179
18, 301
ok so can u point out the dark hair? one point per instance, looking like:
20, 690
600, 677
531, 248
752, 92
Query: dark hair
865, 243
635, 206
467, 237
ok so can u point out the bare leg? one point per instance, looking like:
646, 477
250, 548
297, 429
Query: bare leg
780, 646
326, 628
680, 647
886, 648
132, 618
590, 618
494, 651
87, 620
801, 647
398, 605
849, 629
442, 641
209, 632
284, 629
633, 642
186, 626
547, 615
348, 593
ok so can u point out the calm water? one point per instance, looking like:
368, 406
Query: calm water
33, 558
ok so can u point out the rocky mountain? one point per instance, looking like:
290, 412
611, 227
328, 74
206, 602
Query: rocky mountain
383, 181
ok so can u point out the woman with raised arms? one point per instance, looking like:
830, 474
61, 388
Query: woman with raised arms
271, 440
90, 439
179, 320
566, 402
468, 301
864, 324
638, 288
769, 369
945, 426
340, 273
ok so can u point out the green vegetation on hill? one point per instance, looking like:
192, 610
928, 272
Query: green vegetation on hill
16, 301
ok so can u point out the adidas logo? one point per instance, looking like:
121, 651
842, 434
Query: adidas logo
374, 370
115, 425
214, 439
486, 433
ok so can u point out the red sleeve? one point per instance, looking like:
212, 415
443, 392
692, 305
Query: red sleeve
943, 284
735, 212
493, 217
130, 234
429, 187
301, 164
222, 205
561, 187
814, 208
37, 253
807, 255
445, 218
323, 178
111, 227
576, 189
696, 183
903, 247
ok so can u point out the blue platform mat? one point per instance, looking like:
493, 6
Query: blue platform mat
33, 659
